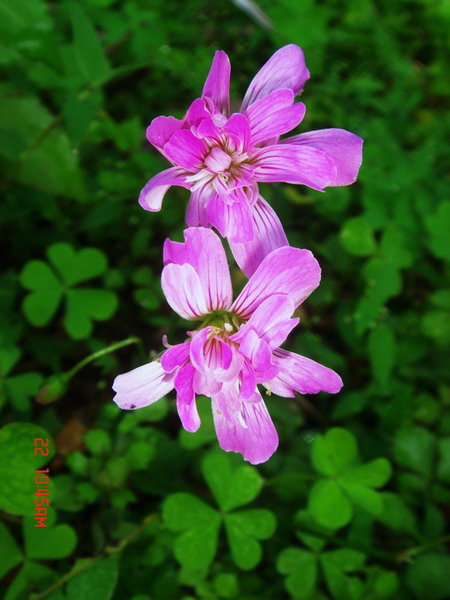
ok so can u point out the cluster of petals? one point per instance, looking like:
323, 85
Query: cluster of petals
221, 158
237, 345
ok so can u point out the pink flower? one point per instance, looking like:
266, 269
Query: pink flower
236, 346
221, 158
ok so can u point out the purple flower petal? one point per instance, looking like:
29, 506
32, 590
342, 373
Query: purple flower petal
186, 150
186, 404
274, 115
218, 214
344, 147
197, 113
162, 129
268, 235
303, 375
175, 357
152, 194
203, 250
197, 208
197, 351
142, 386
295, 164
217, 84
271, 321
238, 128
240, 224
289, 271
285, 69
249, 431
248, 382
183, 290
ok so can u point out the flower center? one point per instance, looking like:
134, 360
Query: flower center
225, 322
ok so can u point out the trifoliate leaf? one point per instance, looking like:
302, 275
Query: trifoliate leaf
300, 567
334, 452
328, 504
232, 487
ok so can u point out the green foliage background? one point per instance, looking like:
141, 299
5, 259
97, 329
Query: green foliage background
355, 503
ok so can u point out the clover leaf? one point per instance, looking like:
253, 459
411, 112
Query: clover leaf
18, 466
17, 388
10, 554
346, 483
199, 524
51, 542
50, 283
302, 568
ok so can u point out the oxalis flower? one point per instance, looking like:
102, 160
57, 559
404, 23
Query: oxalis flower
236, 345
222, 158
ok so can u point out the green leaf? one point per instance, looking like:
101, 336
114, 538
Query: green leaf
226, 585
20, 387
31, 576
428, 577
357, 237
382, 353
443, 470
301, 568
83, 305
10, 553
435, 325
245, 550
328, 505
346, 559
184, 511
18, 466
364, 497
383, 279
50, 165
19, 16
79, 266
196, 547
396, 514
97, 442
257, 522
40, 306
385, 584
139, 454
305, 523
334, 452
232, 487
375, 473
50, 542
438, 226
96, 583
8, 358
414, 449
335, 564
92, 62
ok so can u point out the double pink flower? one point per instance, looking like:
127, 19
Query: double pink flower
221, 158
235, 347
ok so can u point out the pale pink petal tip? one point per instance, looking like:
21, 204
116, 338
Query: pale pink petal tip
142, 386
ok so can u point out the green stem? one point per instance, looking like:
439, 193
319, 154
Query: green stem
83, 565
425, 546
373, 552
108, 350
